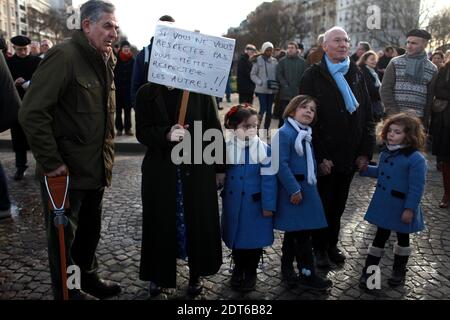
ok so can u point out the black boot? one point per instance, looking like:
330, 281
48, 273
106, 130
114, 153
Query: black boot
311, 281
20, 172
308, 279
251, 261
238, 271
374, 255
154, 290
195, 287
322, 259
335, 255
249, 283
287, 260
99, 288
401, 257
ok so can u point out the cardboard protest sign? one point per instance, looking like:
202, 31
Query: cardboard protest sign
190, 61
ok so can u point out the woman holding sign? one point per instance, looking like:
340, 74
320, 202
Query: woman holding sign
180, 207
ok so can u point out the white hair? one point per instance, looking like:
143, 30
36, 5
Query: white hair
330, 31
320, 38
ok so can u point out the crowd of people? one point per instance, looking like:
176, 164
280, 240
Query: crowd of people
329, 102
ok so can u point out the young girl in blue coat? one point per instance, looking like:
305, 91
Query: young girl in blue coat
248, 197
395, 205
299, 208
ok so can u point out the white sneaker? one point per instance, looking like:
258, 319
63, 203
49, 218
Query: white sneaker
5, 213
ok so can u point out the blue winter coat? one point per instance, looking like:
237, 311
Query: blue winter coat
246, 194
292, 177
401, 182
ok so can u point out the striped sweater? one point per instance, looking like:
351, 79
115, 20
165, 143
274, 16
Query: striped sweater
400, 93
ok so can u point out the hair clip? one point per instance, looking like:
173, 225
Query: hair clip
232, 111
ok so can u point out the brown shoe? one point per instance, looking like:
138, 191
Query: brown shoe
99, 288
80, 295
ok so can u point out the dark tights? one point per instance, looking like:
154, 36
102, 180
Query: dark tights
383, 235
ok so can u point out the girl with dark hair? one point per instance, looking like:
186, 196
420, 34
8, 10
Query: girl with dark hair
395, 205
299, 208
249, 196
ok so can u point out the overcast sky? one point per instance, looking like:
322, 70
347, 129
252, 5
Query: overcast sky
137, 18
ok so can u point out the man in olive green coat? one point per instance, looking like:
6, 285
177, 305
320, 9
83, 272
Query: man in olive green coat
290, 71
68, 117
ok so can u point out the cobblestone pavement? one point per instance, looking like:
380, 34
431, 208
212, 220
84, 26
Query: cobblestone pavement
23, 254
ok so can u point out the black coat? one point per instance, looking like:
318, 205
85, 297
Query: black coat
338, 135
374, 92
122, 79
9, 99
21, 68
159, 246
440, 122
245, 85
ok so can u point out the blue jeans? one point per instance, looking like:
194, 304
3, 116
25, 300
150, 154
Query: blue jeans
265, 107
5, 204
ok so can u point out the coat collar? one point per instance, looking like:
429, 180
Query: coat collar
405, 151
93, 56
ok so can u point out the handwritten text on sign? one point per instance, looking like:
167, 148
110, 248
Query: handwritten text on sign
190, 61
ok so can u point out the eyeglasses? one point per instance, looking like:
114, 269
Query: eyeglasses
249, 49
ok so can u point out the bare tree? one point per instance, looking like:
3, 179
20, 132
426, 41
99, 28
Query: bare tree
51, 22
35, 22
294, 22
397, 19
439, 27
276, 21
57, 24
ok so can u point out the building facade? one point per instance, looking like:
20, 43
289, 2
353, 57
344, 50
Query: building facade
21, 17
13, 18
379, 22
393, 19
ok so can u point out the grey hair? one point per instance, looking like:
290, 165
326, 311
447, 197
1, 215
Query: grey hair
93, 10
320, 38
330, 31
365, 45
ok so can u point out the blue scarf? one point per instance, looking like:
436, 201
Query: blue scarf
338, 71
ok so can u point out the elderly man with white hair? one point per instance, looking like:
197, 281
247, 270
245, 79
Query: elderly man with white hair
343, 136
45, 46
